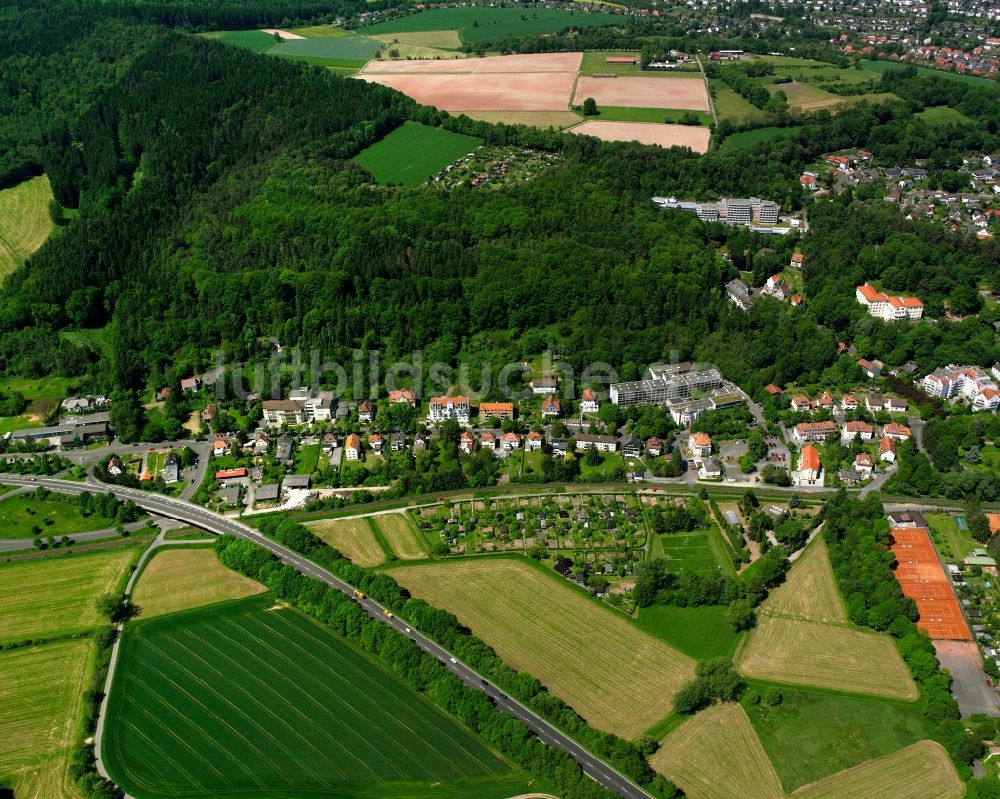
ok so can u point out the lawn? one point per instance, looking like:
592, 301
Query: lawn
258, 41
701, 632
254, 698
41, 710
717, 755
179, 579
618, 677
952, 543
96, 339
730, 105
352, 48
943, 115
689, 553
413, 152
306, 458
44, 393
479, 23
750, 138
58, 596
355, 538
55, 516
25, 223
401, 534
603, 472
813, 734
921, 771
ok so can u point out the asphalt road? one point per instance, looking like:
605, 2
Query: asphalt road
593, 767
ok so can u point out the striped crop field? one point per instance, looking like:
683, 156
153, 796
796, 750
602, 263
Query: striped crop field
402, 535
46, 598
810, 591
253, 698
617, 676
180, 579
355, 538
24, 221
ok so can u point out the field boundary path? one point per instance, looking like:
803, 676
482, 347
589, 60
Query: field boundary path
708, 91
595, 768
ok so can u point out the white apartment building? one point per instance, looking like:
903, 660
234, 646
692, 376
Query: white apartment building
442, 408
891, 309
963, 382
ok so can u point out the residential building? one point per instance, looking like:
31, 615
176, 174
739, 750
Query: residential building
864, 463
220, 448
810, 468
533, 440
739, 294
700, 445
397, 441
896, 405
897, 432
560, 446
684, 413
171, 468
826, 402
654, 447
402, 396
858, 429
801, 403
631, 446
871, 368
544, 385
814, 431
190, 384
375, 442
466, 442
874, 402
889, 308
710, 469
773, 390
115, 466
970, 383
366, 410
550, 406
666, 384
496, 410
795, 300
352, 447
231, 474
488, 441
329, 442
599, 442
588, 401
887, 450
849, 402
442, 408
208, 414
510, 441
286, 411
849, 477
797, 259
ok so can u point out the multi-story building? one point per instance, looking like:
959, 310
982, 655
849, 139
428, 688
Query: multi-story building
891, 309
496, 410
666, 384
442, 408
963, 382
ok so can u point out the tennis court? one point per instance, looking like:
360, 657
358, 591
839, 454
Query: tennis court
960, 523
923, 579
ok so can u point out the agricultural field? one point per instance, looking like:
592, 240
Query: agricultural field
701, 632
618, 677
600, 528
537, 119
24, 516
439, 41
921, 771
749, 138
355, 49
810, 591
355, 538
258, 41
596, 61
800, 652
811, 735
254, 698
479, 23
25, 223
58, 596
669, 116
179, 579
644, 92
41, 709
402, 535
694, 138
717, 755
413, 152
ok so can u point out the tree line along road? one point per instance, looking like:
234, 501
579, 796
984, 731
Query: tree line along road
595, 768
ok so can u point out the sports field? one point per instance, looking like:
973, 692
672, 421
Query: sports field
24, 221
691, 553
841, 658
179, 579
921, 771
45, 598
413, 152
23, 516
809, 592
694, 138
479, 23
618, 677
717, 755
628, 92
254, 698
402, 535
923, 579
41, 707
354, 538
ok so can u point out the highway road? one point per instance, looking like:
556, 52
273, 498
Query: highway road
593, 767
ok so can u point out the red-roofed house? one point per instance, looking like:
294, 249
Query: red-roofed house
810, 468
466, 442
230, 474
700, 445
897, 432
773, 390
402, 396
352, 447
797, 260
800, 403
862, 430
808, 181
887, 450
864, 463
891, 309
588, 401
496, 410
550, 406
533, 440
510, 441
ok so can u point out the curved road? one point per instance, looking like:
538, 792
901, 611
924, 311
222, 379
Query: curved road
593, 767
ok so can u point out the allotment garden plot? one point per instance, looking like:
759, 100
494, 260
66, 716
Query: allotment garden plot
253, 698
618, 677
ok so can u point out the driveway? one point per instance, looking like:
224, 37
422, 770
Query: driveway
963, 660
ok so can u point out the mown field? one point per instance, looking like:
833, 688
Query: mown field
402, 535
879, 67
341, 48
57, 516
254, 698
921, 771
41, 707
943, 115
697, 552
413, 152
258, 41
24, 221
354, 538
479, 23
813, 734
538, 119
179, 579
717, 755
810, 591
618, 677
57, 596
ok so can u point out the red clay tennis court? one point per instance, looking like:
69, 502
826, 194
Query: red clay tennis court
923, 579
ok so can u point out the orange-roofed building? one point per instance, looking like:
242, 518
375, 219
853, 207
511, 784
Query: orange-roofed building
498, 410
700, 445
810, 468
897, 432
773, 390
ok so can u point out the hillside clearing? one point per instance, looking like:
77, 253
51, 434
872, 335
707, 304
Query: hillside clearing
179, 579
354, 538
618, 677
413, 152
25, 223
717, 755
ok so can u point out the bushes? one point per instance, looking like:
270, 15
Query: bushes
715, 681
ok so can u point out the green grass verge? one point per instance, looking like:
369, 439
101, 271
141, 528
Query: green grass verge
56, 516
413, 152
247, 699
702, 632
671, 116
812, 734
